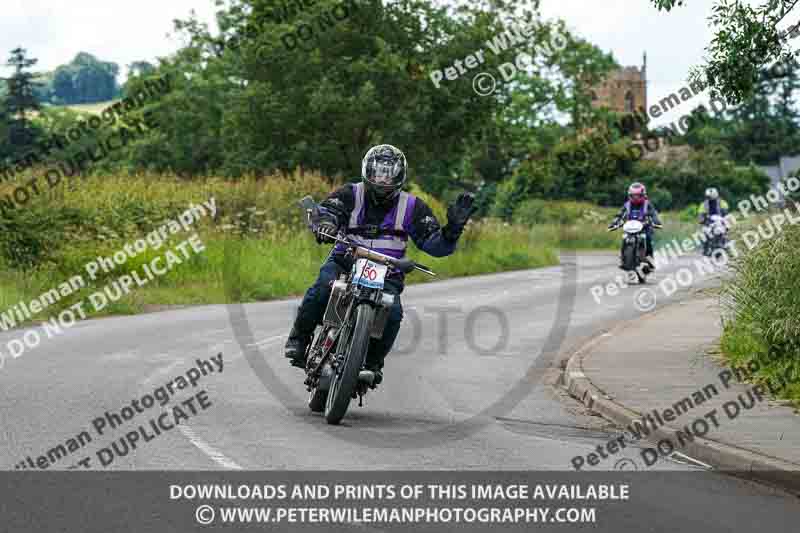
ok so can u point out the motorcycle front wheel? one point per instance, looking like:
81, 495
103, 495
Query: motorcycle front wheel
629, 262
346, 378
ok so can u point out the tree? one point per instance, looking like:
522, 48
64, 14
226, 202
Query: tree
141, 68
259, 97
85, 80
761, 129
20, 103
785, 110
746, 39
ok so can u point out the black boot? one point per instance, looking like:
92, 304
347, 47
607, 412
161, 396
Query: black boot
376, 367
296, 346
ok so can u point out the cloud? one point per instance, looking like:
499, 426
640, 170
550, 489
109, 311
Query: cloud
54, 31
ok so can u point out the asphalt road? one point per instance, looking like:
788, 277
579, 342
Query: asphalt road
462, 391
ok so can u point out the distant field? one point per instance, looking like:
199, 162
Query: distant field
95, 108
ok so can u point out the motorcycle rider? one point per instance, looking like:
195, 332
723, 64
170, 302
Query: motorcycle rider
378, 214
712, 205
638, 207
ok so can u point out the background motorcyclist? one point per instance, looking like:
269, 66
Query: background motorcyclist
638, 207
712, 205
378, 214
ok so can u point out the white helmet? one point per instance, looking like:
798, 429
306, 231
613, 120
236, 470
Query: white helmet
712, 193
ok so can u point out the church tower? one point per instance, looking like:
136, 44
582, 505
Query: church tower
624, 90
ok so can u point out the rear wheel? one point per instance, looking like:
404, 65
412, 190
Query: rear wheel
344, 382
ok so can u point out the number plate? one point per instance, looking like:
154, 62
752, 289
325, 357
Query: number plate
369, 274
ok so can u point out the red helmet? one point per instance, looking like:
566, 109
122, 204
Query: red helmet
637, 193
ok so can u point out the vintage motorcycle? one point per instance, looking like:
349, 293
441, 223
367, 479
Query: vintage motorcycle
634, 248
716, 235
357, 310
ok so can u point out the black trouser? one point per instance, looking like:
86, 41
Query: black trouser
316, 300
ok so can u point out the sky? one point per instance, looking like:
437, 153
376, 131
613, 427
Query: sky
123, 31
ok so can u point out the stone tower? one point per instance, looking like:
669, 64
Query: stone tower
624, 90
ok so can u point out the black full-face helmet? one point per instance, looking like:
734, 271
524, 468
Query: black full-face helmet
383, 170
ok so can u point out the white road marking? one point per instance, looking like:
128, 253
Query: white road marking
211, 452
162, 371
214, 454
690, 460
265, 341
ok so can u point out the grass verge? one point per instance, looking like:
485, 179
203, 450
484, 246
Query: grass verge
762, 304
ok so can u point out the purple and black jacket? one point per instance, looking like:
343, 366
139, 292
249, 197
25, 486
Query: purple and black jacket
387, 229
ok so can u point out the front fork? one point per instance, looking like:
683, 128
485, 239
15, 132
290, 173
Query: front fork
321, 369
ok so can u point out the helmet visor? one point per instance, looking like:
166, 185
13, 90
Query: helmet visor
386, 174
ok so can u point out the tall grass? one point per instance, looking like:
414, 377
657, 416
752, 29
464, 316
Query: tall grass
762, 303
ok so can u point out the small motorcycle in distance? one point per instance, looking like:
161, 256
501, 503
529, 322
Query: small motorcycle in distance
716, 235
634, 248
357, 310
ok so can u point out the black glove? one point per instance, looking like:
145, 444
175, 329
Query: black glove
329, 227
457, 216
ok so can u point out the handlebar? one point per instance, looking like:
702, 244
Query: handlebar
359, 250
614, 228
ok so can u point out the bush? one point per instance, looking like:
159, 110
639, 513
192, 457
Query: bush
537, 211
661, 198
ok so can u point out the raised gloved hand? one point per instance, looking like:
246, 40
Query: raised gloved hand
458, 214
326, 226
